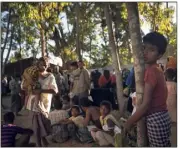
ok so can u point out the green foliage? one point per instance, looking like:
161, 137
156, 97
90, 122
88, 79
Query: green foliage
34, 16
160, 18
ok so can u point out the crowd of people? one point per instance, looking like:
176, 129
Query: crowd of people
62, 108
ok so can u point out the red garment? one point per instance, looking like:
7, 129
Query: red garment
171, 63
103, 81
113, 79
155, 77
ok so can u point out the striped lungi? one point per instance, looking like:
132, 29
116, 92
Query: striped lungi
159, 129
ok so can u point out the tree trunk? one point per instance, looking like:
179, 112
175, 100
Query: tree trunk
134, 28
58, 51
90, 43
78, 48
129, 52
115, 59
19, 40
6, 40
10, 46
43, 43
47, 53
42, 34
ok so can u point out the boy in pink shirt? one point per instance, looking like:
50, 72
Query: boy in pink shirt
154, 106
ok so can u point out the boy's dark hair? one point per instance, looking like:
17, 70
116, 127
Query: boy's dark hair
75, 64
56, 68
170, 73
80, 61
85, 102
66, 97
106, 73
107, 104
49, 69
44, 59
76, 107
75, 100
57, 104
156, 39
9, 117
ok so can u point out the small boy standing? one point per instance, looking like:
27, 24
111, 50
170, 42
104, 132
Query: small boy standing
155, 94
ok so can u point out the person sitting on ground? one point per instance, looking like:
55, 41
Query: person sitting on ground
75, 119
74, 101
58, 114
75, 125
10, 130
59, 131
172, 94
110, 127
66, 102
92, 113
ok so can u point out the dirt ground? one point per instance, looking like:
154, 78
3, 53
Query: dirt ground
25, 120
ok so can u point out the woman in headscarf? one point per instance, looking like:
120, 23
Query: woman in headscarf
43, 97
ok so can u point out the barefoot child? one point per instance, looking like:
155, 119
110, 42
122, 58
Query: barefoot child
110, 127
154, 106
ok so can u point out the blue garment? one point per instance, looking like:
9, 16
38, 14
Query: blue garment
129, 80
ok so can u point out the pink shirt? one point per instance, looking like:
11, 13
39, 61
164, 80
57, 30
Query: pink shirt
155, 77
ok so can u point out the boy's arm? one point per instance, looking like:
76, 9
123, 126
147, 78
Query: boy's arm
24, 130
53, 89
66, 121
141, 111
87, 118
111, 126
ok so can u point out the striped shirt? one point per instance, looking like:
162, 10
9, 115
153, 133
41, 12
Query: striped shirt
9, 132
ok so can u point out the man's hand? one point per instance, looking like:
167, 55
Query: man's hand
127, 126
37, 91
